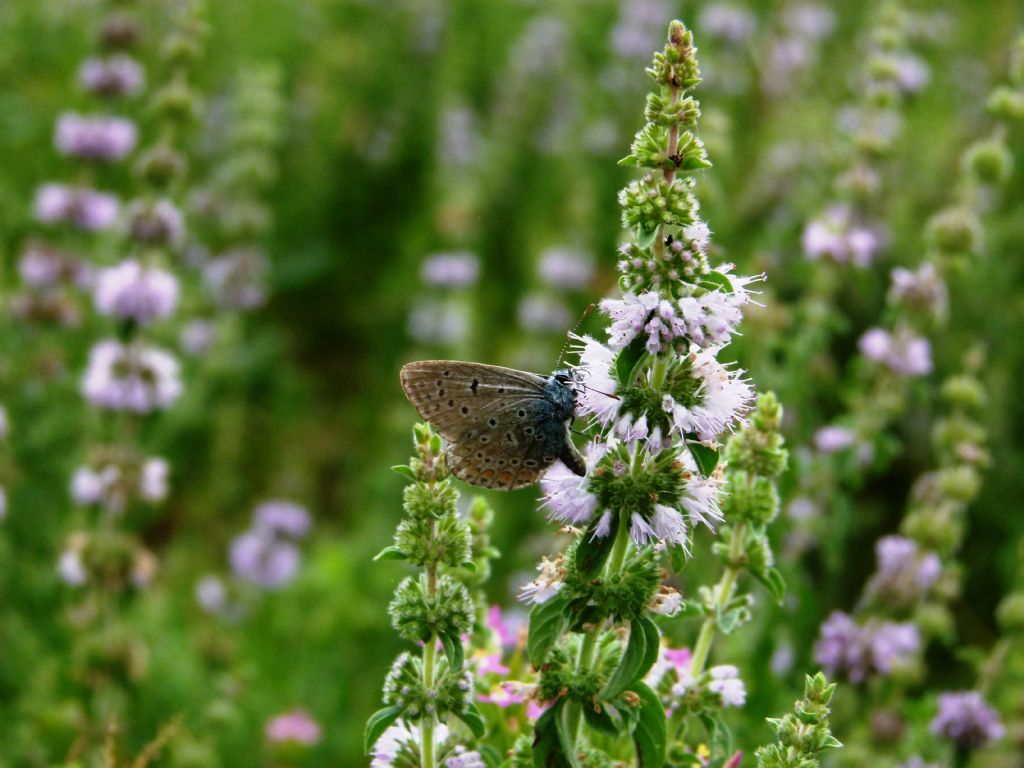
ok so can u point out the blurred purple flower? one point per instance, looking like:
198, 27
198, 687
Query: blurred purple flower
450, 270
157, 222
85, 208
131, 377
727, 21
235, 278
902, 352
565, 268
294, 727
261, 559
541, 313
923, 290
833, 438
94, 137
965, 719
282, 518
211, 594
130, 291
116, 75
861, 651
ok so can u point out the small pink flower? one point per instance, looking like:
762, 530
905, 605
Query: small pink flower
295, 727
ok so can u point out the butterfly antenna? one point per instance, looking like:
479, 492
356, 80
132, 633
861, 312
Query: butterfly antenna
568, 338
606, 394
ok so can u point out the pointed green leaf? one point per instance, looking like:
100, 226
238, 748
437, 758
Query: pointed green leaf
567, 727
653, 637
630, 664
705, 457
548, 620
629, 359
454, 651
645, 237
471, 717
404, 471
389, 553
601, 718
650, 734
715, 279
592, 551
547, 748
677, 557
378, 723
719, 736
772, 579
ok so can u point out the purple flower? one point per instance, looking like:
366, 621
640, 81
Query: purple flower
728, 22
835, 235
211, 594
450, 270
94, 138
902, 352
131, 377
439, 322
235, 278
294, 727
85, 208
565, 269
196, 337
965, 719
156, 222
923, 290
566, 495
282, 518
726, 682
539, 312
860, 651
261, 559
831, 439
130, 291
116, 75
904, 574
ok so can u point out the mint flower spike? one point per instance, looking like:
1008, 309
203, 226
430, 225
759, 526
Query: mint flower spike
804, 733
434, 609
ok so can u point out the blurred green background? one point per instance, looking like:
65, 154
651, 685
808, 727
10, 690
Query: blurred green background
412, 128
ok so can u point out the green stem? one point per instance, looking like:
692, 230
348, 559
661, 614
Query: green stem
427, 758
723, 594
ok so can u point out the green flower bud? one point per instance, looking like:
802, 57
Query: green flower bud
653, 201
934, 526
560, 678
111, 655
1010, 612
444, 542
403, 687
176, 102
418, 615
964, 391
955, 230
430, 499
988, 161
1007, 103
960, 483
161, 166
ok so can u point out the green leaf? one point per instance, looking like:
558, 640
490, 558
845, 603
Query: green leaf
628, 360
706, 458
547, 748
491, 756
592, 551
566, 732
378, 723
653, 637
548, 620
389, 553
469, 565
719, 735
677, 557
454, 651
645, 238
405, 471
471, 717
600, 718
650, 734
729, 620
630, 664
717, 280
773, 581
629, 160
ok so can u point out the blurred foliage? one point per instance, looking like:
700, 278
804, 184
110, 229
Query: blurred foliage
302, 398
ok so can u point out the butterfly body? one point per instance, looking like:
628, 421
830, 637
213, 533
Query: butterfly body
503, 427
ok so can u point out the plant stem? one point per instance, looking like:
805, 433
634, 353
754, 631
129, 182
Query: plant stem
429, 655
723, 594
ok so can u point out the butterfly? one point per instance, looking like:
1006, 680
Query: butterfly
503, 427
